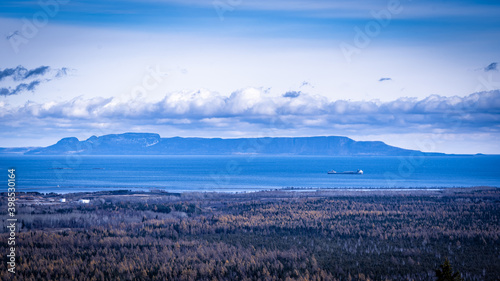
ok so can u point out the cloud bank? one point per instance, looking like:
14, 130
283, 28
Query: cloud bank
26, 80
252, 110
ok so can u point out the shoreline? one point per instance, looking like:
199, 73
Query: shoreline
37, 198
81, 189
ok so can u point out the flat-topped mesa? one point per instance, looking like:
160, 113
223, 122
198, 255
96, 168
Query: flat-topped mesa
153, 144
140, 139
68, 141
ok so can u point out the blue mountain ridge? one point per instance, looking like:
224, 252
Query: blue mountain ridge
153, 144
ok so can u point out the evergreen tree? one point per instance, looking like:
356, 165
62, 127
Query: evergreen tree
445, 273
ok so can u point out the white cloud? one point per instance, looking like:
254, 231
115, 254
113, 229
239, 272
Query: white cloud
199, 110
27, 80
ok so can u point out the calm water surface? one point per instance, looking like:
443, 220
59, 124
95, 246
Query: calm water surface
246, 173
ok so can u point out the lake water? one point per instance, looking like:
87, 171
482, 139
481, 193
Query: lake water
246, 173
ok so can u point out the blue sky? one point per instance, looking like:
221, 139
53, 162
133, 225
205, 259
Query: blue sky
416, 74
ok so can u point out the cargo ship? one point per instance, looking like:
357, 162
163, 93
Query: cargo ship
358, 172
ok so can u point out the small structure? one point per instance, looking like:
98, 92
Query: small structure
84, 201
62, 200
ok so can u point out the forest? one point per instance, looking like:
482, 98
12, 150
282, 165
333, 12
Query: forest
269, 235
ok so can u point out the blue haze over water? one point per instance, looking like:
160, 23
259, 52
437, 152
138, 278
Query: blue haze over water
76, 173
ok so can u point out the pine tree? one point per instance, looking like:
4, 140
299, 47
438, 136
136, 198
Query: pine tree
445, 273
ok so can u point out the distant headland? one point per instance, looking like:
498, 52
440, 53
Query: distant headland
153, 144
